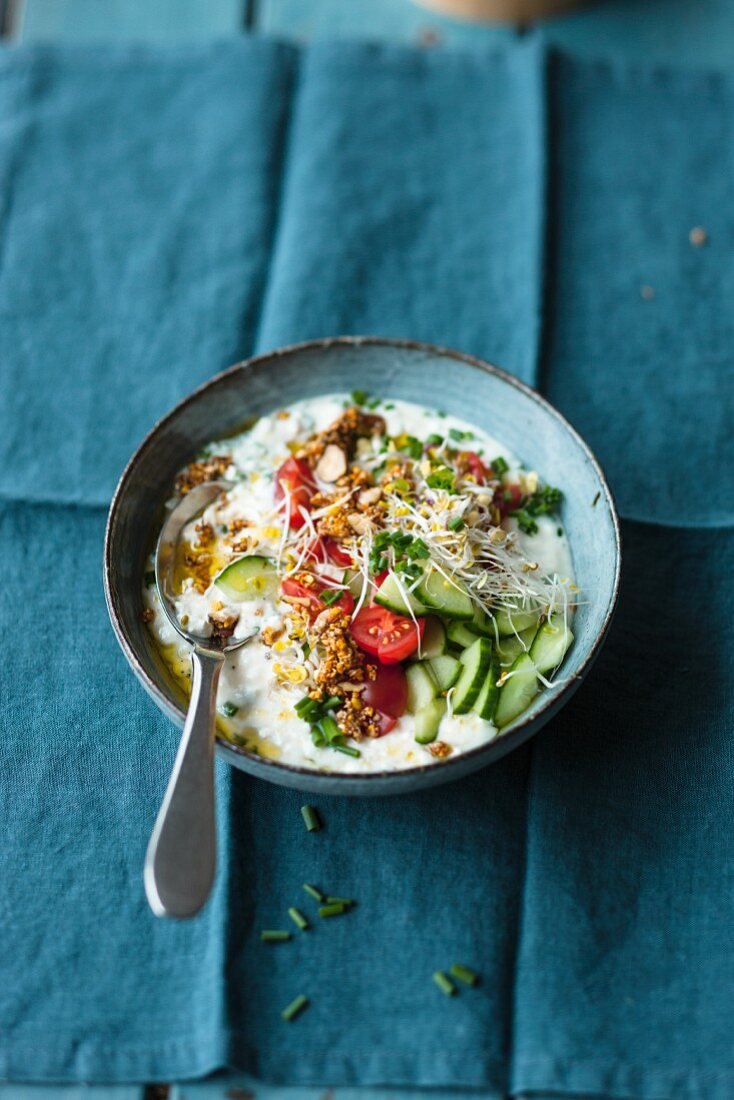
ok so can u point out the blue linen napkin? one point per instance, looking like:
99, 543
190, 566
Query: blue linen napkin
168, 212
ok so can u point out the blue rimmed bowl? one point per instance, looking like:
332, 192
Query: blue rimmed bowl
430, 376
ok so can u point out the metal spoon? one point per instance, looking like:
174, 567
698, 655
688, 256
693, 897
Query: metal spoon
181, 857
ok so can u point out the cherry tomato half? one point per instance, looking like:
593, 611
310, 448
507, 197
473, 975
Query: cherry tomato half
388, 692
295, 476
385, 635
289, 586
336, 553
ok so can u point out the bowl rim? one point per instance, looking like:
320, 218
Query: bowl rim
520, 731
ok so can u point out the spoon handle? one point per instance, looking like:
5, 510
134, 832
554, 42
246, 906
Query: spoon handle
181, 856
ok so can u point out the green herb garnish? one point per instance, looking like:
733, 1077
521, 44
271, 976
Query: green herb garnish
443, 478
274, 936
456, 523
499, 466
359, 397
310, 818
444, 983
298, 918
464, 974
295, 1007
150, 578
314, 892
229, 709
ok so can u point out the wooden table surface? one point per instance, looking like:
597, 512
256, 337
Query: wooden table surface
694, 33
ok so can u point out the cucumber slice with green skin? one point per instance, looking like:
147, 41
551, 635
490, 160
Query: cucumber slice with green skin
391, 596
486, 702
481, 623
475, 661
551, 644
510, 648
443, 596
519, 620
250, 578
445, 671
422, 688
433, 643
517, 693
354, 581
461, 634
428, 720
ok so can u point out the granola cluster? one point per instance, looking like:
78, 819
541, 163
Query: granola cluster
196, 473
352, 425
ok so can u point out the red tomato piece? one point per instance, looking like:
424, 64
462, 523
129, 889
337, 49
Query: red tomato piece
335, 553
295, 477
383, 634
507, 498
386, 722
388, 692
475, 466
317, 552
289, 586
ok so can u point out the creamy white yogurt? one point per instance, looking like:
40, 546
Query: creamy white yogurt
255, 678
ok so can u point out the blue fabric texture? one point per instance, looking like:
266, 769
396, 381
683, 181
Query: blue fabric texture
166, 213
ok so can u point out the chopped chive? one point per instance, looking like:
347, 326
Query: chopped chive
389, 406
311, 818
298, 918
150, 578
595, 501
224, 528
441, 413
346, 902
347, 750
314, 892
434, 440
305, 706
317, 737
274, 936
332, 703
559, 531
464, 974
229, 709
456, 523
330, 729
374, 402
334, 910
359, 397
295, 1007
444, 983
499, 465
331, 596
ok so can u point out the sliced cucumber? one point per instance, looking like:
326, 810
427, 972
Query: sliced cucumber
551, 644
444, 596
475, 661
461, 634
445, 671
515, 621
250, 578
422, 688
510, 647
433, 643
427, 721
394, 595
354, 581
517, 693
485, 703
481, 623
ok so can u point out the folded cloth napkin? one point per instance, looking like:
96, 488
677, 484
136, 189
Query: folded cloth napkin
166, 213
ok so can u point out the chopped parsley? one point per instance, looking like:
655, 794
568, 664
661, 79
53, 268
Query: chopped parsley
543, 502
458, 436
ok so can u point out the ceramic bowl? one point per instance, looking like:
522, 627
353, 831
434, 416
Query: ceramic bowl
430, 376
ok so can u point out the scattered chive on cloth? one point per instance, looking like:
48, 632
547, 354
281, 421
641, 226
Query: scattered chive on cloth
166, 213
